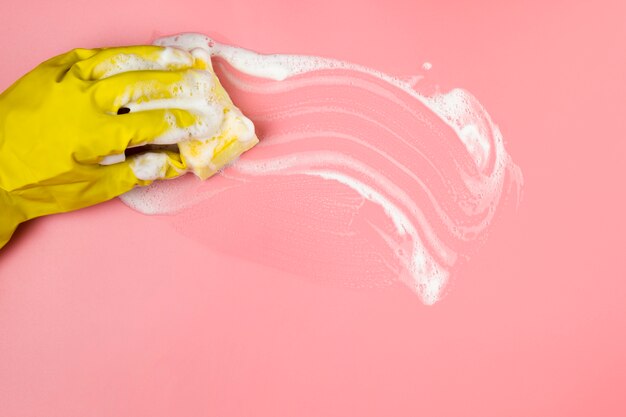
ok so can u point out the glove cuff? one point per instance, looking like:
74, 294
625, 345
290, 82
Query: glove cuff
10, 216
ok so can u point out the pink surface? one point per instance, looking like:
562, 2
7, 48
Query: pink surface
357, 180
109, 312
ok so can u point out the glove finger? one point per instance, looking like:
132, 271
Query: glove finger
110, 181
137, 87
191, 110
160, 126
71, 57
116, 133
111, 61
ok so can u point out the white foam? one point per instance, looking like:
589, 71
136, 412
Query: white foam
168, 58
457, 108
150, 166
113, 159
270, 66
426, 274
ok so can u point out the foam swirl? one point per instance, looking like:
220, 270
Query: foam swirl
357, 177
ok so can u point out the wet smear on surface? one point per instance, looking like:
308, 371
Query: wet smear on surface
358, 180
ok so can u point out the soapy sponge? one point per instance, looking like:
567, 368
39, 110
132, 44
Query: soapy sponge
235, 135
214, 131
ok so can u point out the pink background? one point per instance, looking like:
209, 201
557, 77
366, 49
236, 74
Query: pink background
108, 312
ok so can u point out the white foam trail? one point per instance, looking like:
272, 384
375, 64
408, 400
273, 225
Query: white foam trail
426, 268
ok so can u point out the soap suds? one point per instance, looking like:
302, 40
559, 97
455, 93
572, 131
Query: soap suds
412, 182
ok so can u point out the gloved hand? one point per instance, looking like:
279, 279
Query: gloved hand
60, 121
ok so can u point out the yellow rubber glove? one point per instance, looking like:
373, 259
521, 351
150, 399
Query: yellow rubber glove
60, 121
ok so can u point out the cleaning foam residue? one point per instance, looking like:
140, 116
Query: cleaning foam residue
435, 165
